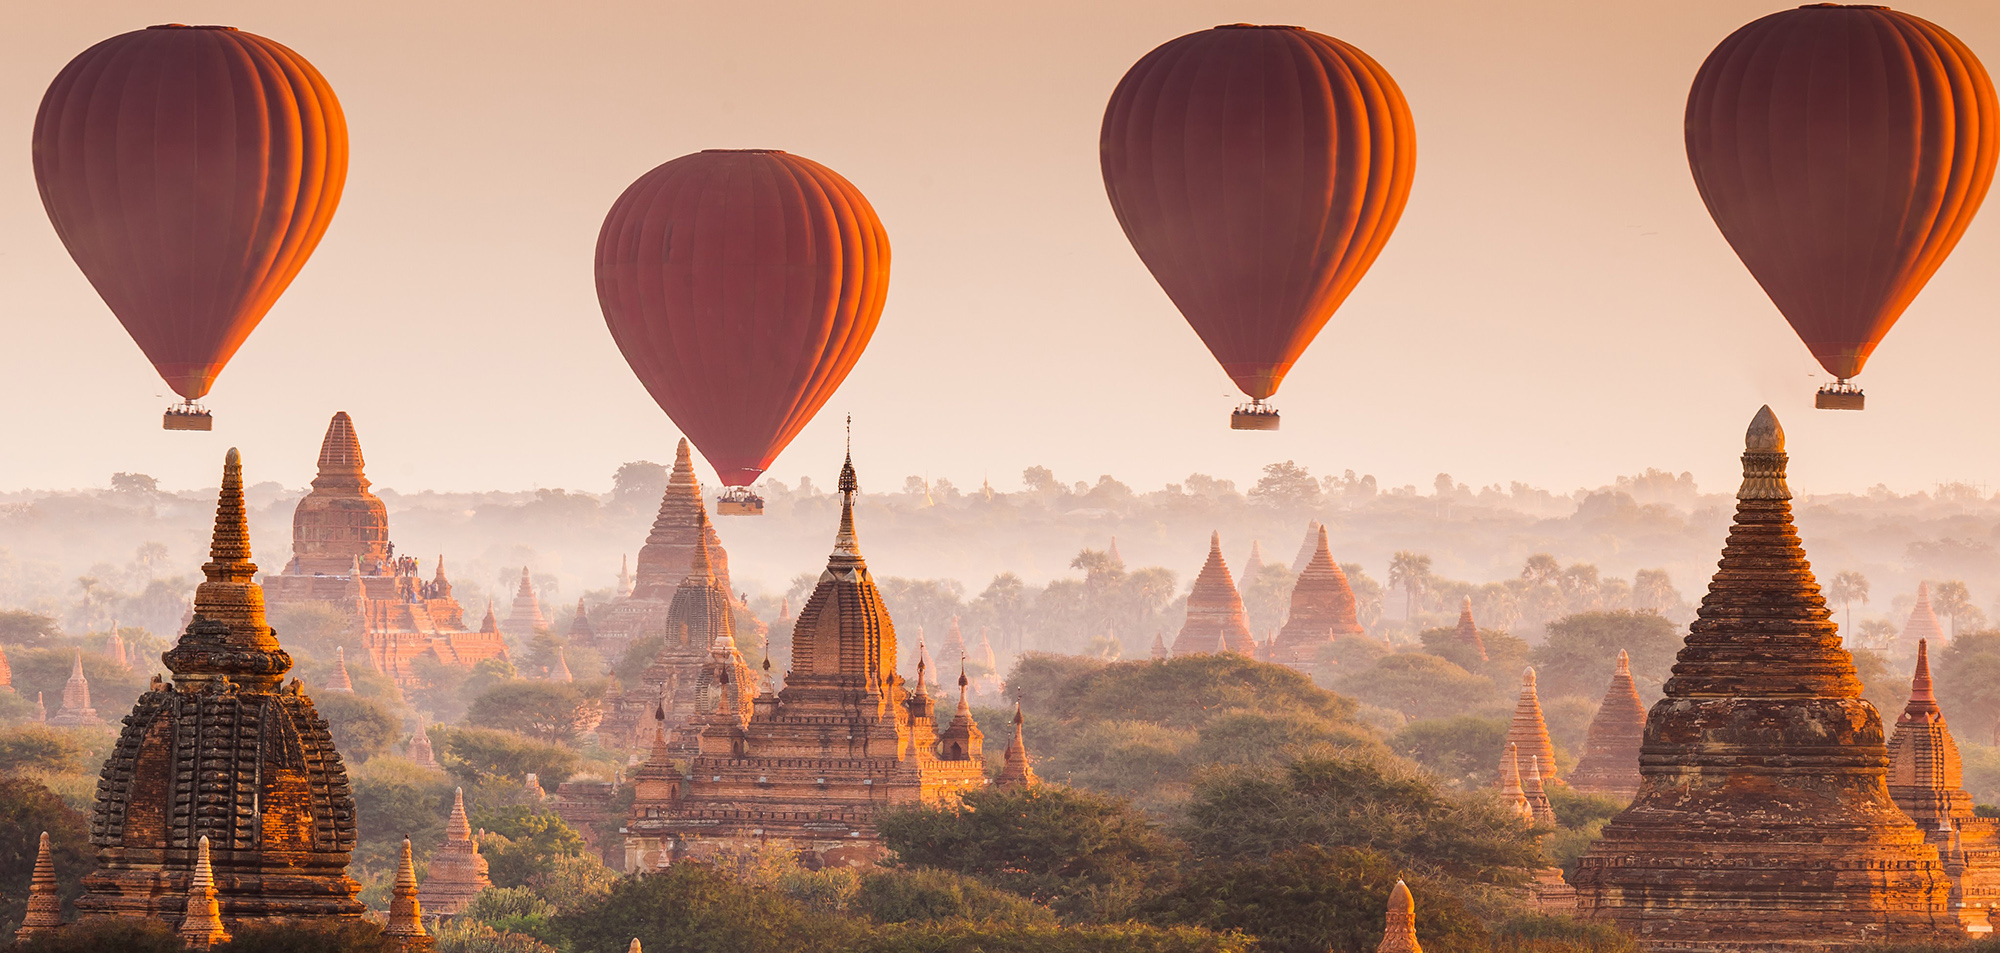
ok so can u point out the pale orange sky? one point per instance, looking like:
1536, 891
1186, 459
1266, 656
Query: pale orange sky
1555, 306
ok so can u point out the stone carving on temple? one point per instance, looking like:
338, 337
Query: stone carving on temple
456, 873
1323, 610
227, 751
1399, 932
76, 710
843, 739
1764, 819
1610, 762
664, 561
1529, 732
1927, 780
1215, 617
342, 557
697, 668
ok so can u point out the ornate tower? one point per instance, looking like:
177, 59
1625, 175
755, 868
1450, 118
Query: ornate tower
669, 549
1923, 625
525, 617
230, 753
1529, 731
457, 872
76, 708
1763, 818
340, 521
1467, 633
1610, 763
1215, 617
1323, 609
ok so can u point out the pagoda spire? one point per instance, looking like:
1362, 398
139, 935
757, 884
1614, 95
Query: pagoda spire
846, 546
1923, 704
1467, 633
1538, 796
1610, 762
1215, 614
227, 637
202, 927
44, 906
1399, 932
1529, 730
339, 681
701, 566
1018, 771
457, 828
1510, 785
405, 929
340, 463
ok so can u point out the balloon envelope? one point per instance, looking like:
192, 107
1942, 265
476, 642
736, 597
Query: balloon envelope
190, 171
1842, 151
742, 286
1258, 172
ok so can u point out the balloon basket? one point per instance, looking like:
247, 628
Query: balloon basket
187, 416
739, 501
1255, 415
1839, 396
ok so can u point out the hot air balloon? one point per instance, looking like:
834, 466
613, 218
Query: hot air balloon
1257, 171
1842, 151
742, 285
190, 171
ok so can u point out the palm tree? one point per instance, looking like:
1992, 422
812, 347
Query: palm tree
1848, 588
1952, 599
1409, 570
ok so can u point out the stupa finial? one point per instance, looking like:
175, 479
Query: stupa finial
1764, 459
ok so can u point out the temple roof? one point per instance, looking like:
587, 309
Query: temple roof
1610, 762
1215, 615
340, 463
1399, 931
1323, 607
1019, 769
663, 560
228, 636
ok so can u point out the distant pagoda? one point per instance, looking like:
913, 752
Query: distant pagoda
1215, 617
1467, 632
1610, 763
457, 872
76, 710
230, 753
1927, 780
525, 618
845, 738
1923, 623
664, 560
1529, 732
1323, 610
1764, 819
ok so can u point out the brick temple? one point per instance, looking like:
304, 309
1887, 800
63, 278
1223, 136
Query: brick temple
1216, 621
1610, 762
1927, 780
1764, 819
1323, 610
664, 561
845, 738
342, 557
229, 752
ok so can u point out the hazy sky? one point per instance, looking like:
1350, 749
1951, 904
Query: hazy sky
1555, 306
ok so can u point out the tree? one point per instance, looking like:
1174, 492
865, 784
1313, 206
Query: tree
480, 755
1846, 589
639, 484
20, 627
1373, 802
1285, 486
1041, 481
693, 908
1581, 651
555, 712
137, 484
1541, 569
1968, 682
26, 810
1458, 748
1417, 684
929, 895
124, 934
43, 750
522, 840
362, 728
1082, 854
1653, 591
1952, 599
1409, 572
1314, 899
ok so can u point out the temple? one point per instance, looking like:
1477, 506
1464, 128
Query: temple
405, 929
1467, 632
342, 557
1528, 733
1610, 763
457, 873
814, 762
1926, 780
664, 561
1763, 819
1216, 621
524, 618
1017, 771
1323, 610
1253, 564
229, 752
1923, 624
76, 710
44, 913
697, 670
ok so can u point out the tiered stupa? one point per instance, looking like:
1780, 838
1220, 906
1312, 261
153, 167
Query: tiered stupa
1308, 546
953, 651
1529, 732
76, 708
1399, 933
1511, 794
405, 929
1610, 763
201, 923
1467, 632
664, 560
421, 751
340, 681
342, 557
1323, 610
457, 873
698, 667
844, 739
1215, 617
1019, 770
114, 646
230, 752
1926, 780
1252, 565
1540, 811
581, 632
1763, 819
525, 618
1923, 624
44, 912
1160, 650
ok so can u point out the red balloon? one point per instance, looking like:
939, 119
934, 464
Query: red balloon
1842, 151
190, 171
1258, 171
742, 286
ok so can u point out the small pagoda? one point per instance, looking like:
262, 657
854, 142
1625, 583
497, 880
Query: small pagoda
1763, 819
1323, 611
1216, 621
1610, 762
